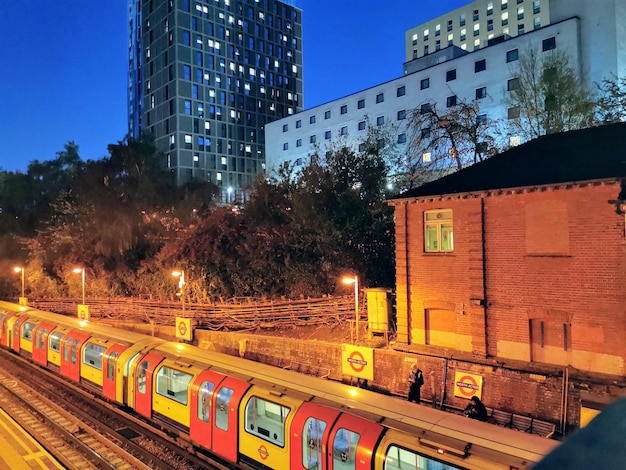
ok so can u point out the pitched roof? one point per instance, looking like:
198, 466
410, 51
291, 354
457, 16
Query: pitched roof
582, 155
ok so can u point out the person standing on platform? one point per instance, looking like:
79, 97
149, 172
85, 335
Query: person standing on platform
416, 380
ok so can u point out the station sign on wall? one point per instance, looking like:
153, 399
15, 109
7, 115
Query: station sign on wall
183, 329
357, 361
83, 312
467, 385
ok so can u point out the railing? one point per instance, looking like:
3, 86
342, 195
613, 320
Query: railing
237, 314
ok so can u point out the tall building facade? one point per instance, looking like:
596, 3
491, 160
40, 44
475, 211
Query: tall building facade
475, 25
205, 76
592, 34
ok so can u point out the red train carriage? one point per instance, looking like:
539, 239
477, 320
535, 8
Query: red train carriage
252, 413
213, 420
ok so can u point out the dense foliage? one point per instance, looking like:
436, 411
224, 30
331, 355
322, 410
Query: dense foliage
124, 220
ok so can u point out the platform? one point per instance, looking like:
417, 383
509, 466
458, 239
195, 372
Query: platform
20, 451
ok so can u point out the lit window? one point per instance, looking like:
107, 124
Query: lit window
438, 231
505, 18
426, 157
515, 140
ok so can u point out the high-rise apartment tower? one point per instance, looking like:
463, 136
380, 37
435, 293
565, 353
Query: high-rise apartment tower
205, 76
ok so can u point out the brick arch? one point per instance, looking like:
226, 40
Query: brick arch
550, 314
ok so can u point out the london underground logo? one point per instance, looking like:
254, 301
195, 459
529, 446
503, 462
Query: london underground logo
357, 361
263, 453
182, 328
467, 385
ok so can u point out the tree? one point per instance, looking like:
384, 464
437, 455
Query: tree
445, 141
547, 97
612, 101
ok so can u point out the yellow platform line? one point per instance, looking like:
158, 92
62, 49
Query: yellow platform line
13, 459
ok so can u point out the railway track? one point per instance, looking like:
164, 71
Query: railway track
82, 431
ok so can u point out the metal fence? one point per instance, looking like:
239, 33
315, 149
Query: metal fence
234, 315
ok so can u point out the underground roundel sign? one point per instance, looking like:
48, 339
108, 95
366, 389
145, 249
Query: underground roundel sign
467, 385
183, 328
357, 361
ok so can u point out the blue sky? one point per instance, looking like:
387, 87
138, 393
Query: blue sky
65, 66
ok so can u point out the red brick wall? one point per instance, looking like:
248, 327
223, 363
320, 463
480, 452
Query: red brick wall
556, 254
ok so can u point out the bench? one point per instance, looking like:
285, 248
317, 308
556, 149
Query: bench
520, 422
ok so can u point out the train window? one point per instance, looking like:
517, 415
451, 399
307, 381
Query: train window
92, 355
141, 376
312, 442
266, 420
204, 401
173, 384
221, 408
111, 365
41, 341
401, 459
66, 348
344, 449
74, 350
27, 331
54, 341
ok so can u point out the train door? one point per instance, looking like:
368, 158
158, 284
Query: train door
6, 322
141, 376
17, 326
40, 339
310, 429
351, 443
70, 356
109, 377
214, 406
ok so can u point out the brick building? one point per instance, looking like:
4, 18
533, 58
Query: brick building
520, 260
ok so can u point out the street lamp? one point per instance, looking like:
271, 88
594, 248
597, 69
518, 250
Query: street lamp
18, 269
181, 285
81, 270
354, 280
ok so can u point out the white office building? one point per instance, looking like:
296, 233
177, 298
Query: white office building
589, 32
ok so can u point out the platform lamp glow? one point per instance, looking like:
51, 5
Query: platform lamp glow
181, 285
82, 271
20, 269
354, 280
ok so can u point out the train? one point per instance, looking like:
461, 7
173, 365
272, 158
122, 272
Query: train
258, 416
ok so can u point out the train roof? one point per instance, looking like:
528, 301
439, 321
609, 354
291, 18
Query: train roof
390, 411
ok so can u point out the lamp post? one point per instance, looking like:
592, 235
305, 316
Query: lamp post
354, 280
181, 284
18, 269
82, 271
